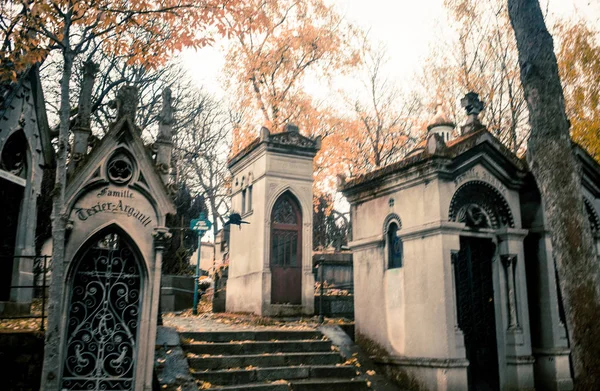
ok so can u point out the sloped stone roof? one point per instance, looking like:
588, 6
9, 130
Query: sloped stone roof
453, 149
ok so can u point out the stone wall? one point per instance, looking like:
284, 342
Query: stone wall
21, 357
176, 293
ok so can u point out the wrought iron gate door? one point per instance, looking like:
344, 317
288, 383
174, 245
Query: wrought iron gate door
104, 313
476, 316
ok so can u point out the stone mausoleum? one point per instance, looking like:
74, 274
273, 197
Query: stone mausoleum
25, 153
270, 259
453, 271
117, 202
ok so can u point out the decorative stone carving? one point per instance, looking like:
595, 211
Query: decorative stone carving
509, 262
294, 139
391, 217
480, 205
162, 237
120, 169
127, 102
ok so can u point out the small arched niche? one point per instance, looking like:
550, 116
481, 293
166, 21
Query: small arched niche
393, 243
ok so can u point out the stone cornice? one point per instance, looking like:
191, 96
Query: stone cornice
428, 362
432, 228
366, 243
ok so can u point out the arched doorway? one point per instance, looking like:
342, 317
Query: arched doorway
13, 162
286, 251
104, 316
482, 208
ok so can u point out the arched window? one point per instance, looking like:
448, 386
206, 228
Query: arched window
394, 246
104, 316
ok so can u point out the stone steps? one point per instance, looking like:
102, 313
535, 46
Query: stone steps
268, 360
301, 385
245, 376
264, 360
252, 347
261, 335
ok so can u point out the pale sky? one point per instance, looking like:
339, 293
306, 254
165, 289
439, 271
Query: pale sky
407, 28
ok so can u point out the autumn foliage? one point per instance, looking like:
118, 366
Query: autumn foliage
146, 31
579, 66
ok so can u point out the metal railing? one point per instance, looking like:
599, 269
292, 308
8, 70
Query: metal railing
320, 269
39, 288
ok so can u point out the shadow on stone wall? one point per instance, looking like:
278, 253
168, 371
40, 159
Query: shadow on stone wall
21, 358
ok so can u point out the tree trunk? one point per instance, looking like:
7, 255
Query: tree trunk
556, 172
52, 365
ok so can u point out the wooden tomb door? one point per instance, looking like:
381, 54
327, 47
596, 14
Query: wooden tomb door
476, 314
104, 316
286, 251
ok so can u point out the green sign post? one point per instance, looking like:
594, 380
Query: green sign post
200, 226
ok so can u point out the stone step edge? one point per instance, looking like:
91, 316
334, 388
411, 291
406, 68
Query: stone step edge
259, 335
250, 356
197, 374
290, 383
251, 342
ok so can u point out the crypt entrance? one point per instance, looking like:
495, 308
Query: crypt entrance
485, 295
103, 314
286, 251
475, 310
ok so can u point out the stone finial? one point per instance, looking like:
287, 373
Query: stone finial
264, 134
165, 124
290, 127
84, 108
166, 113
82, 130
127, 101
473, 106
441, 124
440, 118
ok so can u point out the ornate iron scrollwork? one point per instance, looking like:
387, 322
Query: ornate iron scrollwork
104, 314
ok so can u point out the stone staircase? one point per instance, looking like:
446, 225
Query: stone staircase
269, 360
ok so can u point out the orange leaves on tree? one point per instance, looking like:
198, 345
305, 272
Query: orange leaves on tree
147, 32
578, 58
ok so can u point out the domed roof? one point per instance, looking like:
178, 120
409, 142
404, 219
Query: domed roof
440, 118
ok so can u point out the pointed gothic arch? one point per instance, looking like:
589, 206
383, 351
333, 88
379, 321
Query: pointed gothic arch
285, 257
105, 284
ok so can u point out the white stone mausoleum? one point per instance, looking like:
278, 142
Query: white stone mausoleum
453, 268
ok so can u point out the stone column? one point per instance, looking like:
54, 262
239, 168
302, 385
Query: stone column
162, 238
516, 351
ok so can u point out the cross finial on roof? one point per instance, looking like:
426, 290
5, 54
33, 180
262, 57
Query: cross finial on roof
473, 106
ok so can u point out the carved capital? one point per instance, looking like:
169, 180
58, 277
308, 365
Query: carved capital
162, 237
508, 260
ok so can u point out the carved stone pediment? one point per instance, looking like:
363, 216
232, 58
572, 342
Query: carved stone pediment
293, 139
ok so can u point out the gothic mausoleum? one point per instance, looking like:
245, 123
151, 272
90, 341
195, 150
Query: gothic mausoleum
117, 202
453, 268
25, 153
270, 259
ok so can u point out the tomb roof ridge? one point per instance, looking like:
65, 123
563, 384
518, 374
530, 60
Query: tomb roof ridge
454, 148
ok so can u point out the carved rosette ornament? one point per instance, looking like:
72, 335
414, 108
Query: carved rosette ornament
162, 238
